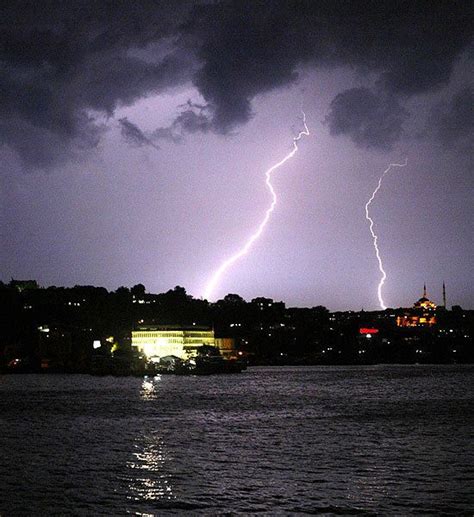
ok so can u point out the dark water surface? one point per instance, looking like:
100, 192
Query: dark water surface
386, 440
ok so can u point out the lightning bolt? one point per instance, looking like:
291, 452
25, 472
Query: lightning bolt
246, 247
374, 236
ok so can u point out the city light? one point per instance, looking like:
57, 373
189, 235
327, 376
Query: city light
368, 331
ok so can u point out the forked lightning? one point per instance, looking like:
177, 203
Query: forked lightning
208, 292
374, 236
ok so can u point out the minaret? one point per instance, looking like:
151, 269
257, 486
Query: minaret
444, 296
424, 290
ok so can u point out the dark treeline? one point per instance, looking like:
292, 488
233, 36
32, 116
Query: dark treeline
62, 323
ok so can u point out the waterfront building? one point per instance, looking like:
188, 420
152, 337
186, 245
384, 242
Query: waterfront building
226, 346
157, 341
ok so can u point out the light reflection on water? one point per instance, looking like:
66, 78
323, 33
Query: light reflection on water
387, 440
149, 388
148, 478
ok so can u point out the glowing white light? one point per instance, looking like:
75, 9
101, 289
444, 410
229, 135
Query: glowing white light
374, 236
244, 250
96, 344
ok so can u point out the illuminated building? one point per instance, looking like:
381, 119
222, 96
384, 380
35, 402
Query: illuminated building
368, 331
423, 313
157, 341
226, 346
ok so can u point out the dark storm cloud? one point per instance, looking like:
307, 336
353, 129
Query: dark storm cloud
247, 48
453, 122
193, 118
134, 135
60, 60
370, 120
188, 121
43, 147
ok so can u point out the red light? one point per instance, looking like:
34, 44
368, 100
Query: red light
364, 330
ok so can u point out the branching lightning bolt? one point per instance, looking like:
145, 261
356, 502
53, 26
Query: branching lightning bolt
244, 250
374, 236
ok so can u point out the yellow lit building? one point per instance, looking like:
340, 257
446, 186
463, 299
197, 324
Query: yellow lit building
226, 346
423, 313
160, 341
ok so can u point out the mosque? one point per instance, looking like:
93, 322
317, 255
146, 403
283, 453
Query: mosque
423, 312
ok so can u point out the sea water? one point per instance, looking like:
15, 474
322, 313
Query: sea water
386, 440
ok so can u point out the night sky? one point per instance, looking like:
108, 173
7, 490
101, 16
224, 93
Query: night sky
135, 136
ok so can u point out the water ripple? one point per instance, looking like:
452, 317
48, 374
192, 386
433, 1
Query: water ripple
390, 440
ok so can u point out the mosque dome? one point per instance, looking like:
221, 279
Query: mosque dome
424, 302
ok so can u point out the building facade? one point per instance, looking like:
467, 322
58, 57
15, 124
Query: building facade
157, 341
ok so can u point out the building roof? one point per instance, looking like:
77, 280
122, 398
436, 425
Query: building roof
187, 328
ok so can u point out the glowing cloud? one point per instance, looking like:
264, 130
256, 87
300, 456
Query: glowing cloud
374, 236
244, 250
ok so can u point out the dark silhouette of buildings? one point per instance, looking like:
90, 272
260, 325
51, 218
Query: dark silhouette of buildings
70, 329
